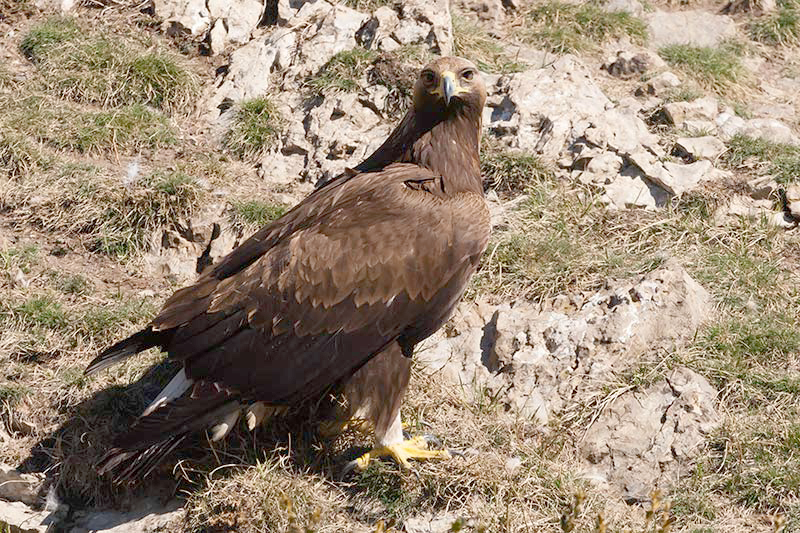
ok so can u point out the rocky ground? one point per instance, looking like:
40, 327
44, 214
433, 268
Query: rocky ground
627, 358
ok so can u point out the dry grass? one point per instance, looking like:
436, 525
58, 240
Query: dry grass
715, 68
67, 127
108, 214
255, 128
78, 61
472, 41
564, 27
249, 215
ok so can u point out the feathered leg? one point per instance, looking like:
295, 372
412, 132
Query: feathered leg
374, 395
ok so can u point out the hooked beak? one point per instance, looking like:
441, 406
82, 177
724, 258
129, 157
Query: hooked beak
448, 87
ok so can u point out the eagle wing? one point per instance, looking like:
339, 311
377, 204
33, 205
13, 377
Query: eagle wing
306, 301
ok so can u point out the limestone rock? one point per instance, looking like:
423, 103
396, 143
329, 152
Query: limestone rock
681, 114
548, 110
771, 130
16, 517
489, 11
645, 439
431, 523
659, 85
181, 253
791, 200
694, 148
148, 516
728, 125
693, 27
18, 487
536, 360
426, 22
634, 7
227, 21
341, 132
632, 189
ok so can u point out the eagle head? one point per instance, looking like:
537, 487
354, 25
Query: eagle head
449, 83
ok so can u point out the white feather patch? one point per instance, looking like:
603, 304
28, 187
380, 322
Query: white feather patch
174, 389
224, 427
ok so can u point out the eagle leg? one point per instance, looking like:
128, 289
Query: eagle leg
333, 428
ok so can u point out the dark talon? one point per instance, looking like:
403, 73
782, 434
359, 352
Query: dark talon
433, 440
349, 468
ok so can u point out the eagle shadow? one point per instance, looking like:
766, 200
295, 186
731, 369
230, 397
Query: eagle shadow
67, 455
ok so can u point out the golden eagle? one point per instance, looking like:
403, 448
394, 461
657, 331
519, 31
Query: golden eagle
337, 291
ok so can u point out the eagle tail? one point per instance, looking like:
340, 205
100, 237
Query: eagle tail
138, 342
153, 436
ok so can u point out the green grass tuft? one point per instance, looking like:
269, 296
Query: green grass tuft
52, 33
343, 71
19, 154
251, 214
41, 311
780, 160
23, 258
106, 321
718, 69
567, 28
512, 172
65, 127
779, 28
128, 218
255, 128
473, 42
83, 64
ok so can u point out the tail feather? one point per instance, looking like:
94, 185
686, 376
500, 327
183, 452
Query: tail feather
147, 338
154, 435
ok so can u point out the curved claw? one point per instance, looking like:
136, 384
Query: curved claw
432, 440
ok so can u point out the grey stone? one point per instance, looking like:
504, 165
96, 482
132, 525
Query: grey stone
707, 147
175, 252
771, 130
728, 125
793, 201
626, 65
18, 487
538, 359
702, 109
659, 85
634, 7
148, 516
681, 178
431, 523
489, 11
693, 27
644, 440
602, 169
226, 21
426, 22
548, 110
632, 189
16, 517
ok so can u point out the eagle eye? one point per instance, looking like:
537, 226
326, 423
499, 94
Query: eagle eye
428, 77
468, 74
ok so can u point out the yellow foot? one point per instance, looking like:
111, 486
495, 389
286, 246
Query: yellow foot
416, 448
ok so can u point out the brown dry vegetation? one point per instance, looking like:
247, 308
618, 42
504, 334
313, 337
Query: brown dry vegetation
72, 232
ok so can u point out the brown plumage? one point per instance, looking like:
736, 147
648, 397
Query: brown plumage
338, 290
